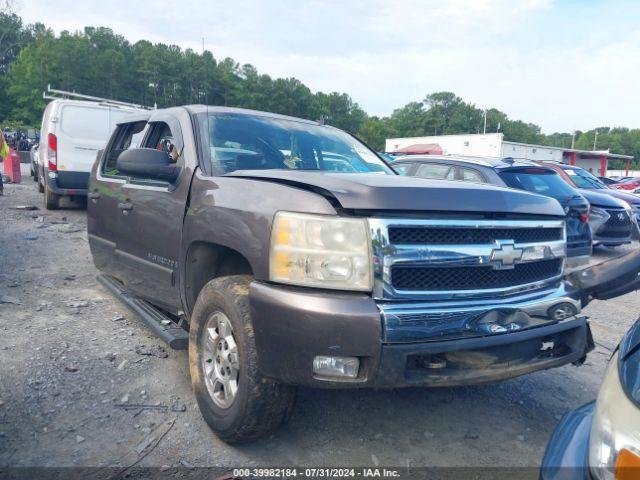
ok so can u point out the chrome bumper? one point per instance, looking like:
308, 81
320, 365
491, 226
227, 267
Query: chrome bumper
424, 321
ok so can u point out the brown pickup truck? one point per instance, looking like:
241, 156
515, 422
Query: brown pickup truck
282, 252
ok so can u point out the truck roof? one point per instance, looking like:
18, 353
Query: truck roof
195, 109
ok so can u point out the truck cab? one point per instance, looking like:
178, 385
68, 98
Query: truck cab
283, 252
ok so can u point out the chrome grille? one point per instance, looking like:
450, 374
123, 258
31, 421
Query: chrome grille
454, 259
469, 278
472, 236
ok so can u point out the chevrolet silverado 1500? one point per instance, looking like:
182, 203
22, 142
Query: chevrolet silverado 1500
283, 252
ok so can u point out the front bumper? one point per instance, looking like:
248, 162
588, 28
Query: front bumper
567, 453
293, 325
612, 241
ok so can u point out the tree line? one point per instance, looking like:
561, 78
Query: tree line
97, 61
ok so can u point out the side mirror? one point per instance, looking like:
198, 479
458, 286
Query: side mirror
147, 163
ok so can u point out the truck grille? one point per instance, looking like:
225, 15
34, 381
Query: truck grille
452, 259
470, 278
470, 236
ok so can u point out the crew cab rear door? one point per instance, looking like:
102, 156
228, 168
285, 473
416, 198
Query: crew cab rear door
152, 212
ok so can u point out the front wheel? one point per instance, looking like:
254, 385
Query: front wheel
237, 402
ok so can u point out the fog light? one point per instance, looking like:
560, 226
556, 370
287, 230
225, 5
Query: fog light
344, 367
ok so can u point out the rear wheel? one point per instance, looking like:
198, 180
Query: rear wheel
237, 402
51, 200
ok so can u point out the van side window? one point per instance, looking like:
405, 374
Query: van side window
126, 136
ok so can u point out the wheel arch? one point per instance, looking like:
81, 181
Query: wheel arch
205, 261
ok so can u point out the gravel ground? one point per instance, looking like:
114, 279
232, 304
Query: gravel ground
71, 368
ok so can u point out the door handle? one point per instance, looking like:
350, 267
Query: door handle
125, 206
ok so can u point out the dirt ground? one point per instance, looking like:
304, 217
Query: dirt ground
72, 369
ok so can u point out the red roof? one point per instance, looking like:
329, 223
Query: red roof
420, 149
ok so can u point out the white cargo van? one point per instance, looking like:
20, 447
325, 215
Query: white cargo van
73, 131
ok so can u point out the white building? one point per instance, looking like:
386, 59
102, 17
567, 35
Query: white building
494, 145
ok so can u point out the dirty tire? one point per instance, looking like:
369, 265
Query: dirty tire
260, 405
51, 200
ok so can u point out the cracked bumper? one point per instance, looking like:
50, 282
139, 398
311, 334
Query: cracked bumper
293, 325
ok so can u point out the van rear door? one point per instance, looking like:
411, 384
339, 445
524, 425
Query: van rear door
81, 131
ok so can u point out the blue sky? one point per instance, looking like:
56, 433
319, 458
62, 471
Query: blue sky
563, 65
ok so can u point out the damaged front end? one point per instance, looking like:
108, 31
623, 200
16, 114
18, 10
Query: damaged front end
437, 331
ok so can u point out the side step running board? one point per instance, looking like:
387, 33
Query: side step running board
177, 338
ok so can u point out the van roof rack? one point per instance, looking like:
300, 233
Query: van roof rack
55, 94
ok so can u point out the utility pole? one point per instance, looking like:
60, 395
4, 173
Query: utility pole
573, 139
484, 130
595, 140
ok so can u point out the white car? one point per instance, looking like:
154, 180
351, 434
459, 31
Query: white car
72, 133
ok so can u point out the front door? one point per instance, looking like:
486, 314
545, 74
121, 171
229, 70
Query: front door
151, 221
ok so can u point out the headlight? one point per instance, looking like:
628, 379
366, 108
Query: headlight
597, 218
321, 251
614, 443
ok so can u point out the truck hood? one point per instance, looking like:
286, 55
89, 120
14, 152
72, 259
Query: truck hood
363, 191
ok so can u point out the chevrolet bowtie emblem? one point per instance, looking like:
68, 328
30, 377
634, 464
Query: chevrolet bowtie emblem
505, 256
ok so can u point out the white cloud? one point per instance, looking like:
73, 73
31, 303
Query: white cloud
537, 60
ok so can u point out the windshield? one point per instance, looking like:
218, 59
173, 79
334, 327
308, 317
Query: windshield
538, 180
584, 179
252, 142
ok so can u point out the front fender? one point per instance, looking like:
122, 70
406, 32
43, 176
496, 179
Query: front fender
237, 213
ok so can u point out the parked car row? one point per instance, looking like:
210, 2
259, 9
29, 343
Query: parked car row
615, 225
